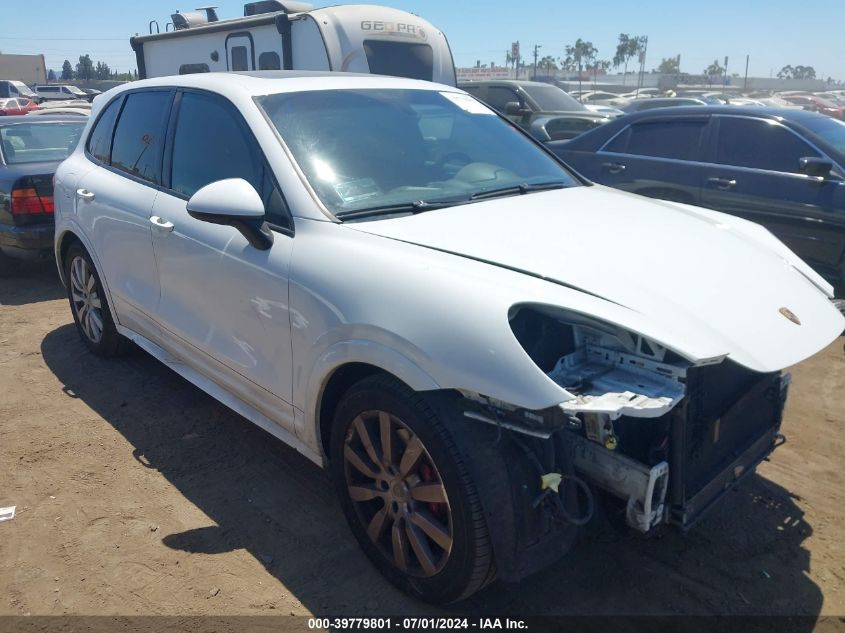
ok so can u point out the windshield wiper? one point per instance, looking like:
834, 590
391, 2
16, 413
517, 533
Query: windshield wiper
419, 206
514, 190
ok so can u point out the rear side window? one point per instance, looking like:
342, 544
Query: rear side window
760, 144
99, 142
677, 139
139, 136
211, 144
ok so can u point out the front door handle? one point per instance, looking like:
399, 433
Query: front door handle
722, 183
613, 168
161, 224
84, 194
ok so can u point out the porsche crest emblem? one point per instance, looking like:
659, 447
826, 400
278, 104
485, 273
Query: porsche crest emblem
789, 314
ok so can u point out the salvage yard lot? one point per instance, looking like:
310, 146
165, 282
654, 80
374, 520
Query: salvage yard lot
138, 494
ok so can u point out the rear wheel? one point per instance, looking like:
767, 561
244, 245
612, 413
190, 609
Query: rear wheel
88, 304
406, 493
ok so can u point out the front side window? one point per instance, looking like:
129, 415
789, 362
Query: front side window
363, 149
499, 96
760, 144
678, 139
37, 142
139, 136
99, 142
211, 144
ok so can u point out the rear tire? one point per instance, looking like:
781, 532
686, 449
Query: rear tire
407, 494
89, 306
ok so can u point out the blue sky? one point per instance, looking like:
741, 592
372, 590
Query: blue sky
774, 32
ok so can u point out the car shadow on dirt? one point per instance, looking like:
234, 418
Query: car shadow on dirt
748, 557
23, 282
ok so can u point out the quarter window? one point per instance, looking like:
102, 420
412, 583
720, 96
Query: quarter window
760, 144
99, 143
675, 139
139, 134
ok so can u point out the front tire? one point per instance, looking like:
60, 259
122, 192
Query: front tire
89, 306
406, 493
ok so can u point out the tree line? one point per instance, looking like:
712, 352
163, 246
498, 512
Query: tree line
86, 70
584, 56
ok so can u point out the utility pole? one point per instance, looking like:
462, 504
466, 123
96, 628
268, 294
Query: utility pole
537, 48
725, 82
745, 85
643, 53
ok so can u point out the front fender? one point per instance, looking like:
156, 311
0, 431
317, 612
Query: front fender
364, 351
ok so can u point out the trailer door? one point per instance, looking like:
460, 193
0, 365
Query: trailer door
240, 52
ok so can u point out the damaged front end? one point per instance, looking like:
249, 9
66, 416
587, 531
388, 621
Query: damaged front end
641, 423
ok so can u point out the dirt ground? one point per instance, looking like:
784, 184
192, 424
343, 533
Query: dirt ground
138, 494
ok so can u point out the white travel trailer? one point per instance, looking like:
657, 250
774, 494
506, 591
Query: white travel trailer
276, 35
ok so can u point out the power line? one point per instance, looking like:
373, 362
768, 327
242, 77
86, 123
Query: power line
67, 39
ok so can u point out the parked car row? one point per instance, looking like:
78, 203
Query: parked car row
784, 169
10, 89
546, 110
19, 106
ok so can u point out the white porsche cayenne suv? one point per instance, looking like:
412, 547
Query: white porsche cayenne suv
392, 278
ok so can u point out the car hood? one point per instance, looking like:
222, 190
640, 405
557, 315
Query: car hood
708, 280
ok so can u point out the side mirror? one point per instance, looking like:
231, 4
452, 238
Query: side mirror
233, 202
816, 167
513, 108
538, 130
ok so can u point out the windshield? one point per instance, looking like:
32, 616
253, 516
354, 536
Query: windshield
23, 90
367, 149
553, 99
76, 91
36, 142
832, 131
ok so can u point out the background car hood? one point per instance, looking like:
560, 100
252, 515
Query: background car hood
700, 272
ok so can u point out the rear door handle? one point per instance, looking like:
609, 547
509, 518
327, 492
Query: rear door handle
722, 183
161, 224
613, 168
84, 194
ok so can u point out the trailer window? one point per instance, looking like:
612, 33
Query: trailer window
239, 58
190, 69
269, 61
400, 59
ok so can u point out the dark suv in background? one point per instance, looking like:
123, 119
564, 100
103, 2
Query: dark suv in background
545, 110
784, 169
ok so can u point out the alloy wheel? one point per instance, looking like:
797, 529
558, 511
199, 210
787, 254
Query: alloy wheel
86, 300
398, 494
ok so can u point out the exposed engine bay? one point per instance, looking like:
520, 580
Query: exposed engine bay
664, 437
